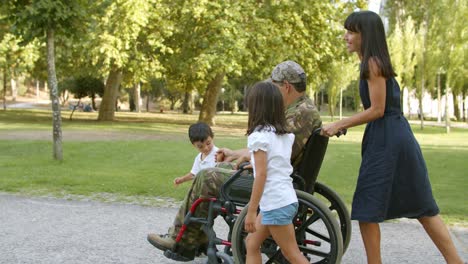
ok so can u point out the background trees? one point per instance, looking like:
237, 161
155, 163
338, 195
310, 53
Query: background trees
440, 39
43, 20
195, 48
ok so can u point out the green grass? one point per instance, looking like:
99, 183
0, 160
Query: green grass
147, 167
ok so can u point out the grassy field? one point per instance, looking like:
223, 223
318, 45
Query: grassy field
118, 165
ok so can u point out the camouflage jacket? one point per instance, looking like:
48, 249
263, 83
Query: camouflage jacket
302, 118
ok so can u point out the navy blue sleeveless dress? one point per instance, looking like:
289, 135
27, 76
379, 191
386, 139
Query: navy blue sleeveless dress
393, 180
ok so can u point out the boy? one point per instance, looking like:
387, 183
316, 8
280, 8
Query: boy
201, 137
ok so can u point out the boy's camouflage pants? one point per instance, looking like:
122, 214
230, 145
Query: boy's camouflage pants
206, 184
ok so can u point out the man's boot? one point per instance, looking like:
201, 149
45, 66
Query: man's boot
162, 242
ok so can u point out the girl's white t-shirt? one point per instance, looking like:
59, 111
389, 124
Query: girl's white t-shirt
278, 190
208, 162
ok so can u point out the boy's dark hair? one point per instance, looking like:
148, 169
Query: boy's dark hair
266, 108
373, 42
199, 132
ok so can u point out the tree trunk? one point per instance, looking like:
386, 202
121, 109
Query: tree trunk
341, 103
14, 89
322, 90
74, 108
421, 111
208, 108
107, 107
137, 97
93, 102
37, 91
421, 95
331, 109
52, 81
439, 100
464, 105
185, 103
447, 114
4, 88
456, 107
148, 96
409, 102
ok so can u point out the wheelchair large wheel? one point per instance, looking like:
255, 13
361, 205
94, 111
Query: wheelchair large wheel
338, 208
317, 233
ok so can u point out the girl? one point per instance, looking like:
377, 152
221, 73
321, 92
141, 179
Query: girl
270, 146
393, 180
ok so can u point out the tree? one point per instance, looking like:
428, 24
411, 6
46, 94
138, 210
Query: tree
440, 31
16, 59
44, 20
402, 44
224, 41
207, 43
127, 37
342, 73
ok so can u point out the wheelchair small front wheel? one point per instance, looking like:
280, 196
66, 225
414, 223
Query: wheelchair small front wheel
317, 233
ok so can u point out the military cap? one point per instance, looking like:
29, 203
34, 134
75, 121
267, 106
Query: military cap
288, 71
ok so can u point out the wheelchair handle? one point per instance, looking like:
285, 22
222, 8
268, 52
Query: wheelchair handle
242, 165
318, 131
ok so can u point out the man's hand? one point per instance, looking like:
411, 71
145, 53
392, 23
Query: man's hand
224, 154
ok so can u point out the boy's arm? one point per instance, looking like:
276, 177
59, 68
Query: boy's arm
187, 177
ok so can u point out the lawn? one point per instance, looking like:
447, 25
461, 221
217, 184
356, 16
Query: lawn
146, 166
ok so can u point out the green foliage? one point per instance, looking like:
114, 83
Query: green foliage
126, 34
439, 39
88, 86
402, 44
341, 74
31, 19
17, 59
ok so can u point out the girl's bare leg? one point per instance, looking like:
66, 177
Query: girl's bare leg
283, 236
253, 241
370, 233
440, 235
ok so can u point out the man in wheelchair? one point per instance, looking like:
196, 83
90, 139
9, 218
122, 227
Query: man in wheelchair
302, 119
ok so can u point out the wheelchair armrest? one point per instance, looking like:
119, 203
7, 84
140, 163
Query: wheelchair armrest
243, 165
242, 183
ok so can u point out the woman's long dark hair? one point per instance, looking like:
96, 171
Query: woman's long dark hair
373, 42
266, 108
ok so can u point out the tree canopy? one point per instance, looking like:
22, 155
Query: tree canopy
200, 47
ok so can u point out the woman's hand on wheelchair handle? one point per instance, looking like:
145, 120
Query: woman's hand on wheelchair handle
332, 129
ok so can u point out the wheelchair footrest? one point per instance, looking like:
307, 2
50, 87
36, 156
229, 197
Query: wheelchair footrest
176, 256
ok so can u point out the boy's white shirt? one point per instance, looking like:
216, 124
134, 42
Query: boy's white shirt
208, 162
278, 191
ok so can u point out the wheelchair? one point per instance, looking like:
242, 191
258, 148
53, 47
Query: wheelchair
322, 223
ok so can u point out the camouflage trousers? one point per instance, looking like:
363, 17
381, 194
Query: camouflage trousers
207, 184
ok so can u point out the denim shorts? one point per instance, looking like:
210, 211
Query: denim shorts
280, 216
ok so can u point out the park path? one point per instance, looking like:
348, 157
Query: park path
37, 230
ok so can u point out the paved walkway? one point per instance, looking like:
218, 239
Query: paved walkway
55, 231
